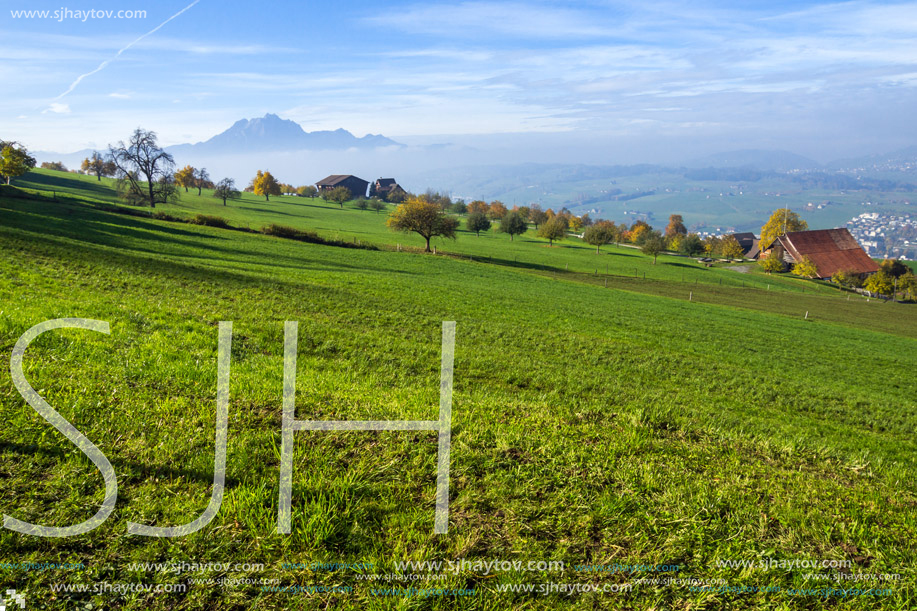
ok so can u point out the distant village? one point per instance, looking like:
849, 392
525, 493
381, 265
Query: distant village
886, 235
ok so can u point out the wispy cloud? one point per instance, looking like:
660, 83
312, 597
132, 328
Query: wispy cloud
468, 19
122, 50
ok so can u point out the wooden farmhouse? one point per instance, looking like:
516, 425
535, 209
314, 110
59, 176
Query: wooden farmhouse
383, 186
831, 250
357, 186
749, 244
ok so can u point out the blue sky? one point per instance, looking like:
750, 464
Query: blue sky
650, 79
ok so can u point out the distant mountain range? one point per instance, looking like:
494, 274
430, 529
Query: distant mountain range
764, 160
265, 134
902, 159
270, 133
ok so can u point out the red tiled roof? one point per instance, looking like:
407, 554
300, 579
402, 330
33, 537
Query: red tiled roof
830, 250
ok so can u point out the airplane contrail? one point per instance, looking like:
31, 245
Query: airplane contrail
118, 54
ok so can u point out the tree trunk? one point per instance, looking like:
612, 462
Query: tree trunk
428, 245
99, 177
199, 191
596, 250
267, 197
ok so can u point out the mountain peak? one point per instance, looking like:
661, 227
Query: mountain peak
273, 133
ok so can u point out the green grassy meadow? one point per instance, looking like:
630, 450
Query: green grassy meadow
600, 418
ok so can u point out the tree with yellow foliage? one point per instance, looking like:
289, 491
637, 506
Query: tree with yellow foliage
773, 262
185, 177
730, 248
265, 184
478, 206
780, 222
423, 217
805, 268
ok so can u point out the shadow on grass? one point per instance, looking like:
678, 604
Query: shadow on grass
144, 471
47, 182
98, 231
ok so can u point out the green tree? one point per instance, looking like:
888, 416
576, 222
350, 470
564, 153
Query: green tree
265, 184
376, 205
226, 189
676, 226
361, 203
599, 234
908, 284
805, 268
780, 222
57, 166
847, 278
513, 224
730, 248
620, 233
338, 195
691, 245
553, 229
478, 222
396, 195
422, 217
653, 244
143, 169
537, 216
894, 267
14, 160
307, 191
773, 262
712, 245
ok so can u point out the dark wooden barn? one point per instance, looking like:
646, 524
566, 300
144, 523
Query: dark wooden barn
357, 186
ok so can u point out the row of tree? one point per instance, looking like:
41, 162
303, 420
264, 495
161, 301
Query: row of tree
893, 277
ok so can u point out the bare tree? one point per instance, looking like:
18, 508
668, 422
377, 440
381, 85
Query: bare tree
226, 189
201, 177
143, 169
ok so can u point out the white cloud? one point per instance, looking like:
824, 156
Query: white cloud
119, 96
57, 108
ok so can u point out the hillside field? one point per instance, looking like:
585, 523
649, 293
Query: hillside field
649, 432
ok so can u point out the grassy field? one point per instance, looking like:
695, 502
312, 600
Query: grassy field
593, 426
